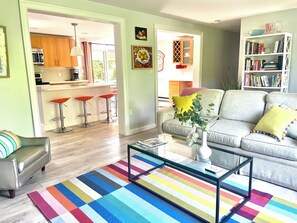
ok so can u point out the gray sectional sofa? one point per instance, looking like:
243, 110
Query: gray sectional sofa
239, 112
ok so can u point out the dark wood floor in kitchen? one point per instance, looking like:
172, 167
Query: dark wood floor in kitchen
73, 153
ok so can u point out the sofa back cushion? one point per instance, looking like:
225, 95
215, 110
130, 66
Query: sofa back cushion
289, 100
285, 100
247, 106
209, 96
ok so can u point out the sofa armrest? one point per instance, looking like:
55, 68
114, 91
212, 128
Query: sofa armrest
8, 174
162, 116
36, 141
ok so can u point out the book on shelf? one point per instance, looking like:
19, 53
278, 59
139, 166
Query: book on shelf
152, 142
276, 80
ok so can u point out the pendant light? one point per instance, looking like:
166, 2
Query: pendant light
76, 50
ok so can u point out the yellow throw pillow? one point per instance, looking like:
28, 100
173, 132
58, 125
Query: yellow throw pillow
275, 122
183, 103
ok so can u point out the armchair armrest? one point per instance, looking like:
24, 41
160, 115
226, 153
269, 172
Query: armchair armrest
36, 141
8, 174
162, 116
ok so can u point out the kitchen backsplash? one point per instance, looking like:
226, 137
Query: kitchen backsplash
55, 74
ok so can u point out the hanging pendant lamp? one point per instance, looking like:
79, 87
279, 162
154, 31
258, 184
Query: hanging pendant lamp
76, 50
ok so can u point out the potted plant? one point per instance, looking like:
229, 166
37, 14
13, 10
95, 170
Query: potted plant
194, 117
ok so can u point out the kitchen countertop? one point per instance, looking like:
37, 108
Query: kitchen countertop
69, 82
71, 86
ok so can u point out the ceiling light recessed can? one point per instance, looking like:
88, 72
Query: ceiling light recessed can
217, 21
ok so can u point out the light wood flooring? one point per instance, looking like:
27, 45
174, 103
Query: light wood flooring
78, 152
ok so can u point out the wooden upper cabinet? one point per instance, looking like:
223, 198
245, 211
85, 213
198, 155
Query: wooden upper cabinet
183, 51
49, 51
63, 52
36, 42
56, 50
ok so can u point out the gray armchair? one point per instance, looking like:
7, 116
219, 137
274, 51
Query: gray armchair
19, 167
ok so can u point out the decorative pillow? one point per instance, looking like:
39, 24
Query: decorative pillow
275, 121
9, 142
183, 103
292, 128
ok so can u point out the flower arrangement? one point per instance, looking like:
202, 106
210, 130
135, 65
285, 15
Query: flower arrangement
194, 117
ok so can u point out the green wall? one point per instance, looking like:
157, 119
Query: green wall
15, 114
140, 85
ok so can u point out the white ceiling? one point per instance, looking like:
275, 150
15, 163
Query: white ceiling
227, 12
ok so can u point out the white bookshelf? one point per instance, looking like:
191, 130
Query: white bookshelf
266, 62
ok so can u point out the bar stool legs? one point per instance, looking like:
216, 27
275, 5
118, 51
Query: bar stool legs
107, 97
84, 99
62, 128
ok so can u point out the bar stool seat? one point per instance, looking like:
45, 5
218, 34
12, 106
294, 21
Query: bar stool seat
62, 129
107, 97
84, 99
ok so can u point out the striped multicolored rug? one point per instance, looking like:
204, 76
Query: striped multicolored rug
106, 195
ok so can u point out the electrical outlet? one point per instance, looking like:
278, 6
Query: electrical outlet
59, 75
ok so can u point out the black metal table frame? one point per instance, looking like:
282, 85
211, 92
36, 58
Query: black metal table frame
198, 174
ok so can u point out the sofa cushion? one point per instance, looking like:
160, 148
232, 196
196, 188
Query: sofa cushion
263, 144
27, 155
292, 130
173, 126
275, 122
247, 106
278, 98
9, 142
229, 132
209, 96
183, 103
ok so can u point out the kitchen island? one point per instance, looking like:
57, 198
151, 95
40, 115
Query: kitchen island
49, 110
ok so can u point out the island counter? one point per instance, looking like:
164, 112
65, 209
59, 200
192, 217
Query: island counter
49, 110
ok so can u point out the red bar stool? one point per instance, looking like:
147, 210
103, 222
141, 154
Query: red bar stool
84, 99
62, 129
107, 97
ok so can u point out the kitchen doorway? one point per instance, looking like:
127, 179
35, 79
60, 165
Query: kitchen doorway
173, 74
81, 15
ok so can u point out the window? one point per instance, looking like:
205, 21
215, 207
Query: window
103, 59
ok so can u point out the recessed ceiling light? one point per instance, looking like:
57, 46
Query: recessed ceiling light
217, 21
84, 33
33, 28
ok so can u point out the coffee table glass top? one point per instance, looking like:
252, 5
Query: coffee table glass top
175, 151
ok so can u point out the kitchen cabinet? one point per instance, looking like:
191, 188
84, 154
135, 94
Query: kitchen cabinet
56, 50
36, 42
175, 87
183, 51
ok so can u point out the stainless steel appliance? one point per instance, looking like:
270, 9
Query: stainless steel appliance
38, 80
74, 74
37, 55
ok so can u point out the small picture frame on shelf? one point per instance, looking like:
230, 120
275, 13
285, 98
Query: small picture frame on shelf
140, 33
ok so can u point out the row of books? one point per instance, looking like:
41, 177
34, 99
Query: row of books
255, 80
253, 64
254, 48
279, 46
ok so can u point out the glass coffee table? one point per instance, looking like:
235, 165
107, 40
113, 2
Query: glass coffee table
224, 184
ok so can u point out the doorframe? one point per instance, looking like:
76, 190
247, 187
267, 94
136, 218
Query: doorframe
197, 57
120, 48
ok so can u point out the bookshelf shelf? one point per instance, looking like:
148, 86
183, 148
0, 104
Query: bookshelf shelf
266, 62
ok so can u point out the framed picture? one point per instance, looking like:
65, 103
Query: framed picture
142, 57
140, 33
4, 71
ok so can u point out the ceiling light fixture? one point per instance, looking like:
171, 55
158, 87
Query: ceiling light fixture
76, 50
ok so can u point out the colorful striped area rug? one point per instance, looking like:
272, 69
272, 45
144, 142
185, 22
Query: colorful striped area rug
106, 195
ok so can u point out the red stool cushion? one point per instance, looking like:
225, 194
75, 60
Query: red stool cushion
60, 100
107, 96
84, 98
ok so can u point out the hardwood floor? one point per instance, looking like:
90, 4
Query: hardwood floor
78, 152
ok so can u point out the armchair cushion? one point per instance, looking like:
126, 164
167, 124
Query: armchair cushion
9, 142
